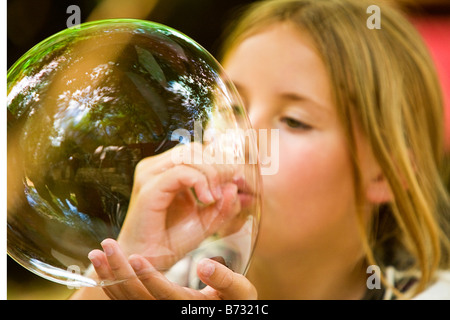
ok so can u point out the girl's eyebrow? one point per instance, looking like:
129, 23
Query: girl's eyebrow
295, 97
291, 97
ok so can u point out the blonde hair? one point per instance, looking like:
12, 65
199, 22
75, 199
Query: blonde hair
384, 83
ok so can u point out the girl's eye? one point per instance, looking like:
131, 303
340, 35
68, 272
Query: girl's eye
295, 124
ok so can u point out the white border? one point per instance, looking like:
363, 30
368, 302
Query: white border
3, 151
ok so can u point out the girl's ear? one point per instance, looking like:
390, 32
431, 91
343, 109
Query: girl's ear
378, 190
376, 187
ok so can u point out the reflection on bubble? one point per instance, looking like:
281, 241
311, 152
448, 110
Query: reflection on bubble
84, 107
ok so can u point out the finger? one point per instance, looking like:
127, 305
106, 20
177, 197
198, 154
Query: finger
218, 176
156, 283
164, 188
217, 173
117, 261
228, 284
190, 155
229, 205
182, 176
104, 273
100, 263
180, 154
214, 216
208, 221
128, 286
211, 219
213, 176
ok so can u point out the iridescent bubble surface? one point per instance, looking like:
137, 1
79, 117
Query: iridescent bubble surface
85, 106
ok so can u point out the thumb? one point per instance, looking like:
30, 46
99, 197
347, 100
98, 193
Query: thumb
228, 284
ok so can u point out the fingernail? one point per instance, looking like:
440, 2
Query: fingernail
95, 261
136, 264
209, 197
107, 248
207, 268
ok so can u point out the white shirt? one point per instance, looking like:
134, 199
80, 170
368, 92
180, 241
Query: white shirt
439, 290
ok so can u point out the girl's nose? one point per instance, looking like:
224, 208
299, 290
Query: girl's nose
267, 138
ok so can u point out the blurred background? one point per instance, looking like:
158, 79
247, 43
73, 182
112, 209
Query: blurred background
31, 21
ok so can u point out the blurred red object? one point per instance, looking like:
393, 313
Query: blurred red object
435, 30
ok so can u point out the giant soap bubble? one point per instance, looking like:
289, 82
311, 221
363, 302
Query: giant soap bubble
85, 106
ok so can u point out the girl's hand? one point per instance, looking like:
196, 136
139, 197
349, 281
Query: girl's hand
175, 206
136, 278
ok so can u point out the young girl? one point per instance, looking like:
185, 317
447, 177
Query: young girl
359, 114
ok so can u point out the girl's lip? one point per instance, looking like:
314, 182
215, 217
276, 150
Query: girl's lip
243, 186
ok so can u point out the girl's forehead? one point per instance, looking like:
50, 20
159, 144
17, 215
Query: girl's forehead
285, 30
279, 60
279, 44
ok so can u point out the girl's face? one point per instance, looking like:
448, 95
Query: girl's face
309, 204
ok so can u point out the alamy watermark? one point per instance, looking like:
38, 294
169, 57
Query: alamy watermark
374, 21
374, 280
231, 146
74, 20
